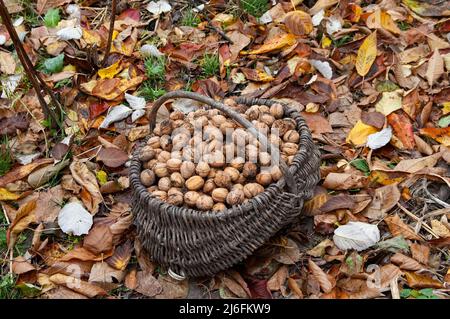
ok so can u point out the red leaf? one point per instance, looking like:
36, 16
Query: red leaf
97, 108
130, 13
258, 288
403, 129
112, 157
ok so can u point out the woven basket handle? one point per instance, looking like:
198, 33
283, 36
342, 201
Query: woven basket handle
289, 179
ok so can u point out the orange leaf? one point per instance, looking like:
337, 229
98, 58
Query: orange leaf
321, 276
398, 227
298, 22
276, 43
442, 135
24, 217
418, 281
403, 129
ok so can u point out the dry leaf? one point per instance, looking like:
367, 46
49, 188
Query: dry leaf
435, 68
23, 171
24, 217
359, 133
112, 157
405, 262
99, 239
78, 285
439, 228
367, 54
418, 281
87, 179
421, 253
385, 198
147, 284
298, 22
398, 227
416, 164
321, 276
344, 181
273, 44
278, 279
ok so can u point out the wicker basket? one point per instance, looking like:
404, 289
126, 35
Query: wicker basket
195, 243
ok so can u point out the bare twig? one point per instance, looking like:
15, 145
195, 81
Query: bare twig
220, 32
111, 31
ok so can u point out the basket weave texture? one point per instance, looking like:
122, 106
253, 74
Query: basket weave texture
194, 243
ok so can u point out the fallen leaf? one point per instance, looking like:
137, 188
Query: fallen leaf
147, 284
78, 285
418, 281
389, 102
337, 202
298, 22
403, 130
435, 67
21, 266
439, 228
42, 175
24, 217
398, 227
234, 287
359, 133
320, 249
416, 164
99, 239
405, 262
7, 195
322, 5
317, 123
321, 276
112, 157
273, 44
22, 171
122, 255
172, 289
420, 252
367, 54
344, 181
87, 179
384, 199
442, 135
278, 279
356, 235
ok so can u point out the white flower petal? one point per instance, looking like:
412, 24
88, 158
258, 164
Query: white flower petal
323, 67
115, 114
159, 7
136, 102
318, 17
74, 219
356, 235
150, 50
70, 33
379, 139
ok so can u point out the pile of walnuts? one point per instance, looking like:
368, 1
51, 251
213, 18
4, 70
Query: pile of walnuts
206, 161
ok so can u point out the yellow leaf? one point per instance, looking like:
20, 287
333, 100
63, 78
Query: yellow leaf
276, 43
383, 178
389, 102
7, 195
359, 133
348, 59
367, 54
110, 71
326, 42
446, 108
298, 22
102, 177
70, 67
381, 19
91, 37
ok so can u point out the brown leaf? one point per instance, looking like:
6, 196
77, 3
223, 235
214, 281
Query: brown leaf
387, 274
20, 265
398, 227
278, 279
405, 262
44, 5
24, 217
298, 22
321, 276
131, 280
344, 181
416, 164
112, 157
320, 248
440, 242
48, 204
61, 292
121, 257
59, 150
172, 289
289, 254
240, 41
234, 287
418, 281
317, 123
99, 239
9, 125
82, 253
22, 171
258, 289
87, 179
385, 198
402, 127
78, 285
435, 67
341, 201
147, 284
421, 253
105, 276
374, 119
295, 288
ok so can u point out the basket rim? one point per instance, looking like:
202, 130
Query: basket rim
141, 191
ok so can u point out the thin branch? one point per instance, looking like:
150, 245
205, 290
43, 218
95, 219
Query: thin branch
37, 82
220, 32
111, 31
